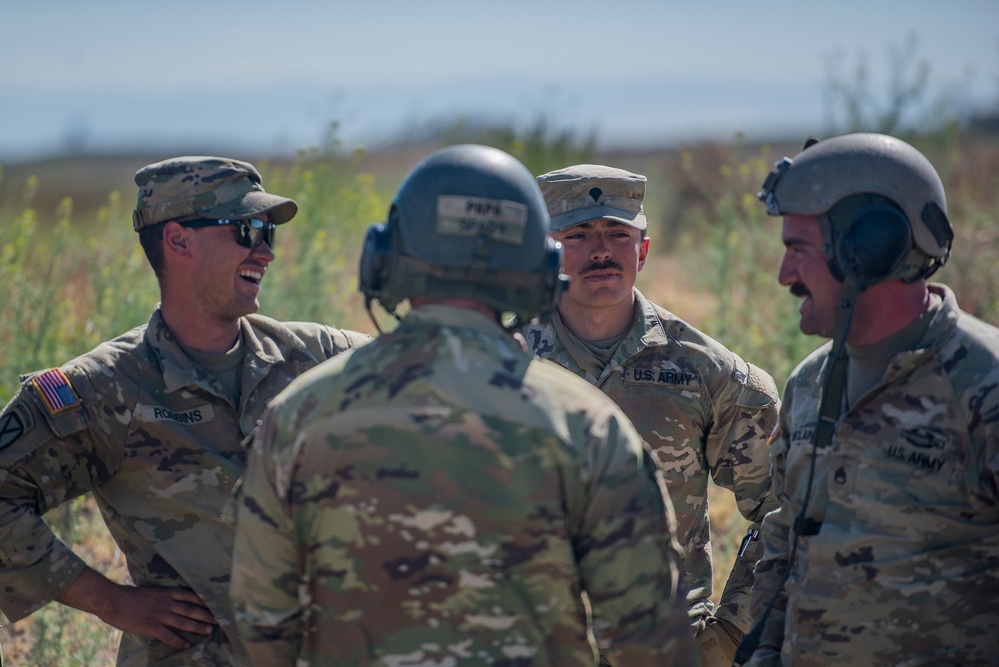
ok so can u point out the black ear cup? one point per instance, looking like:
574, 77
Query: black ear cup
870, 239
374, 265
554, 282
875, 244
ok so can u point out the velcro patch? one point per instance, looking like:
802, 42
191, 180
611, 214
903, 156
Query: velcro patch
14, 424
497, 219
56, 391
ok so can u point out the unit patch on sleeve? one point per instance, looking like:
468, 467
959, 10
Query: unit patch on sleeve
14, 424
55, 389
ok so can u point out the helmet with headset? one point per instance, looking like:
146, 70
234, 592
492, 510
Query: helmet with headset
468, 221
879, 202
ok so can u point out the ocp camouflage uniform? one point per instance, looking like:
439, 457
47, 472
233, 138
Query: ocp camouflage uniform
905, 568
157, 440
704, 412
438, 498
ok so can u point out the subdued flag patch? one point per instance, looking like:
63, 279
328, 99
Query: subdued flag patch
55, 389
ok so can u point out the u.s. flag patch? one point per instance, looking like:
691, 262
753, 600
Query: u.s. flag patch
55, 390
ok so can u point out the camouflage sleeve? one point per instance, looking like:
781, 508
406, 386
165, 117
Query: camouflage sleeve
264, 585
745, 412
775, 537
45, 460
345, 339
628, 556
739, 457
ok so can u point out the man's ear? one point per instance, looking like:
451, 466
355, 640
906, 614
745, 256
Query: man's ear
175, 238
643, 252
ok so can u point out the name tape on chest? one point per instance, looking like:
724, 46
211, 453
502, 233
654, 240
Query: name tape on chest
497, 219
200, 414
55, 390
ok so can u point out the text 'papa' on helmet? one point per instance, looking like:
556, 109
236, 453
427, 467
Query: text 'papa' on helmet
468, 221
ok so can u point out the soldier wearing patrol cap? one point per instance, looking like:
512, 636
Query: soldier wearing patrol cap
441, 496
152, 422
704, 412
885, 549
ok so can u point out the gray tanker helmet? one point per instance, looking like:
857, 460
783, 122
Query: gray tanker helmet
864, 178
468, 221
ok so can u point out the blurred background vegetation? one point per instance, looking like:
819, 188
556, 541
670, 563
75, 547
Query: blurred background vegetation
74, 274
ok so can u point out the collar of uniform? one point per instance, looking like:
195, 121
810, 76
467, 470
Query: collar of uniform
179, 371
439, 314
648, 325
940, 329
265, 349
177, 368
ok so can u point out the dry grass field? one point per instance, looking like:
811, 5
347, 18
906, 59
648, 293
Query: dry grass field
74, 277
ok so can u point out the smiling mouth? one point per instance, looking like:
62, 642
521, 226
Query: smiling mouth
252, 276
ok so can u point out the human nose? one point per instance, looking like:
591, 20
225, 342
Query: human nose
599, 248
263, 252
787, 275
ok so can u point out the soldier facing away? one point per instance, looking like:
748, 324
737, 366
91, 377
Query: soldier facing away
704, 412
885, 550
152, 421
440, 496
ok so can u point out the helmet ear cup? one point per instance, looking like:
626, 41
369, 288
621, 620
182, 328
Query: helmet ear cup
554, 282
374, 264
876, 244
873, 244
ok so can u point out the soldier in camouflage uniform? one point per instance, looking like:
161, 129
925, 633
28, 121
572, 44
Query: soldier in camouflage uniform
887, 552
703, 411
440, 496
152, 422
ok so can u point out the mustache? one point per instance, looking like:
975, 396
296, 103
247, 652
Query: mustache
799, 290
600, 266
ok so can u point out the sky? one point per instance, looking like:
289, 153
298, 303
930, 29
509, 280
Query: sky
256, 77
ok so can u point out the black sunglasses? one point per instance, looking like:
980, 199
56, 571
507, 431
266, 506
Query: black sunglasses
249, 231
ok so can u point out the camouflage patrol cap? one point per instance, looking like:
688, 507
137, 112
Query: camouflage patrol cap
197, 186
587, 192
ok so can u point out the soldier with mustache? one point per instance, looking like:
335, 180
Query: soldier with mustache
703, 411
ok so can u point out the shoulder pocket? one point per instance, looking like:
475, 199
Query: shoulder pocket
758, 389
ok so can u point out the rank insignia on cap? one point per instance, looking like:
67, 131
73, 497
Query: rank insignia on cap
55, 389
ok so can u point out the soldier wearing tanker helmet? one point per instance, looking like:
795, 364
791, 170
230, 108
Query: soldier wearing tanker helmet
151, 423
885, 550
441, 496
705, 412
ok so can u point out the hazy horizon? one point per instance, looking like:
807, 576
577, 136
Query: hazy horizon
114, 75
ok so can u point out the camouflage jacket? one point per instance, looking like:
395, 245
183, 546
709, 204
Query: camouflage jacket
157, 440
905, 567
439, 497
703, 412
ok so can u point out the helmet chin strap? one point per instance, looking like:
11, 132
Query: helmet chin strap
830, 408
371, 314
833, 391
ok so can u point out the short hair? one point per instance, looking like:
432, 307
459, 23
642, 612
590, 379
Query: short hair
151, 240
